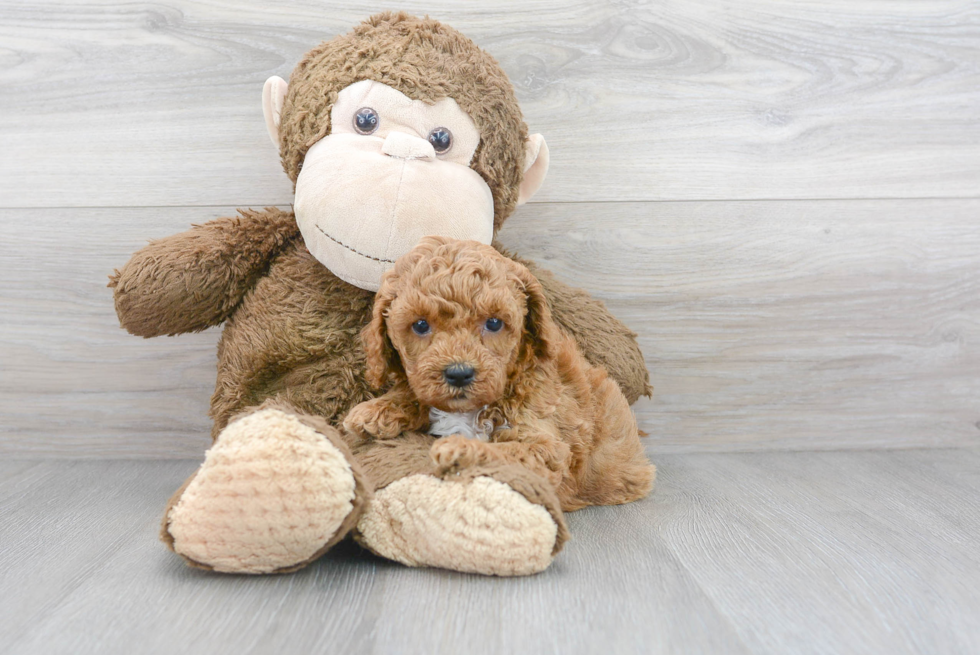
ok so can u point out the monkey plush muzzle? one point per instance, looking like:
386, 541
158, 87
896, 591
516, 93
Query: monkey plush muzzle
360, 209
373, 187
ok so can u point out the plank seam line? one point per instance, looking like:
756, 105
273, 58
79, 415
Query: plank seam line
548, 202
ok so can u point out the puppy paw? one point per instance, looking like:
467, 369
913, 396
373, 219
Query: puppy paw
456, 452
376, 419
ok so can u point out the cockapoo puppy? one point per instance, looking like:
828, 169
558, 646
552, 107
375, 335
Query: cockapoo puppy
466, 339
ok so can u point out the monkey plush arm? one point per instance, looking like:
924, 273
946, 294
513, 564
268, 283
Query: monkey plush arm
604, 341
193, 280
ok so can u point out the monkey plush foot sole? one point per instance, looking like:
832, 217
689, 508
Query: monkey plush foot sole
477, 524
272, 495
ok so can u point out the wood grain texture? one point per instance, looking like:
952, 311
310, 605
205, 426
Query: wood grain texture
766, 325
795, 325
69, 371
782, 553
833, 552
90, 576
121, 104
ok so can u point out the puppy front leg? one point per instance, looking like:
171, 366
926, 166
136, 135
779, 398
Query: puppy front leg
387, 416
538, 452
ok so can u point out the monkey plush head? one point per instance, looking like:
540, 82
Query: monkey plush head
400, 129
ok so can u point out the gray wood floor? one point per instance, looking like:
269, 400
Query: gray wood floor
782, 553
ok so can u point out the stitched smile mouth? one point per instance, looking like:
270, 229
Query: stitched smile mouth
356, 252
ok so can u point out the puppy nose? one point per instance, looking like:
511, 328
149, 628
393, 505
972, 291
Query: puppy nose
459, 375
406, 146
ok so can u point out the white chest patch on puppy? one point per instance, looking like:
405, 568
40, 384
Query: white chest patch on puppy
467, 424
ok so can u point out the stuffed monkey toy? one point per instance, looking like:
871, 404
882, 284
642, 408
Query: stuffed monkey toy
401, 128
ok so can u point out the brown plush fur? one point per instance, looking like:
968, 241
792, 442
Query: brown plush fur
194, 280
554, 413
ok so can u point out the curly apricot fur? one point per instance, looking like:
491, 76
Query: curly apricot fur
556, 415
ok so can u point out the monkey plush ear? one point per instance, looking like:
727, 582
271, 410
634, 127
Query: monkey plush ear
535, 167
273, 95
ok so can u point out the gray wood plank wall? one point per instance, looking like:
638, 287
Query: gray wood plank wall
780, 198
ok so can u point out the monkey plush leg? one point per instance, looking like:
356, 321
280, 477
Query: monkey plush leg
495, 520
275, 492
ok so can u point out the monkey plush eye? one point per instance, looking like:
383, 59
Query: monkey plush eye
366, 120
441, 140
493, 325
421, 327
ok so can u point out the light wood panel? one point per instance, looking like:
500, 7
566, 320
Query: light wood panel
71, 376
120, 104
836, 324
782, 553
766, 325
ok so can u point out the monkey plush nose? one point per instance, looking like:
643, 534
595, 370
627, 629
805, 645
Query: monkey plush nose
406, 146
459, 375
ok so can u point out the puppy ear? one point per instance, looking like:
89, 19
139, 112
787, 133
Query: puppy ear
539, 323
382, 358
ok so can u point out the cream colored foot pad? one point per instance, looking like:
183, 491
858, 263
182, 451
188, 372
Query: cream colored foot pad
270, 494
479, 527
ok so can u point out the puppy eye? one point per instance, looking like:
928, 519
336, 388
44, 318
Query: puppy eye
493, 325
421, 327
441, 140
366, 120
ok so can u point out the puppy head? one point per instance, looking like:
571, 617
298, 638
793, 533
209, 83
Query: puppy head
457, 320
